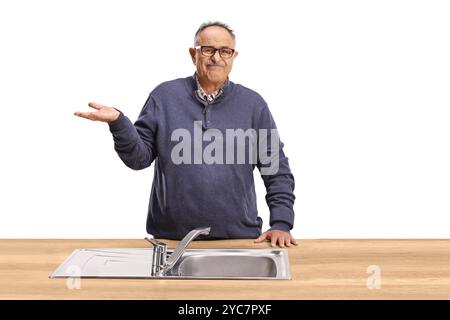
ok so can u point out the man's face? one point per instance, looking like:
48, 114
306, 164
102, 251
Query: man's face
214, 69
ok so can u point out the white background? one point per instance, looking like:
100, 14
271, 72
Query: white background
359, 91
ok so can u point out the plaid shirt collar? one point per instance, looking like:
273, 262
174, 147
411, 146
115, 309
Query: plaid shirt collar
209, 98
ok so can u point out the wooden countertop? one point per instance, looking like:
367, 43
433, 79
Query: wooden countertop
321, 269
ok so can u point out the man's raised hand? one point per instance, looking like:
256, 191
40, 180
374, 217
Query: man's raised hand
103, 113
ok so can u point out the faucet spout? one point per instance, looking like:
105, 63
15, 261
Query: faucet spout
179, 250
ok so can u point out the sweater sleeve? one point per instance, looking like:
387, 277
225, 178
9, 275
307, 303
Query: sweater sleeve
276, 174
136, 143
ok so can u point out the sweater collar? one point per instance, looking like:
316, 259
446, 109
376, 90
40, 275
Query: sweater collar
209, 98
226, 89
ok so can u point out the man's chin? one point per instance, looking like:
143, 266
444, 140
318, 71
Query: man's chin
216, 77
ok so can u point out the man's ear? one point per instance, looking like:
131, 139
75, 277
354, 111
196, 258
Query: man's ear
192, 52
236, 54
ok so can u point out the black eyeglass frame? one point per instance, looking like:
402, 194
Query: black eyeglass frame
215, 49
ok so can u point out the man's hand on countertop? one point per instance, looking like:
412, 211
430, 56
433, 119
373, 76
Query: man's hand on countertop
277, 237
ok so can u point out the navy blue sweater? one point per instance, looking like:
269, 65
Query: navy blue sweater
194, 194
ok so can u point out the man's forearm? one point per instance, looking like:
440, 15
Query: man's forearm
129, 145
280, 196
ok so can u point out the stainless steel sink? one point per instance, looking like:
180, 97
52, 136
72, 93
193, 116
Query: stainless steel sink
193, 264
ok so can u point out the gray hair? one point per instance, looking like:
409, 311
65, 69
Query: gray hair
205, 25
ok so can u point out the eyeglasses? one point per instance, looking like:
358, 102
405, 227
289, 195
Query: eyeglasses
209, 51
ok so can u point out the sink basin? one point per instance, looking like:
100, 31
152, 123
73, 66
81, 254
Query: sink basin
249, 263
194, 264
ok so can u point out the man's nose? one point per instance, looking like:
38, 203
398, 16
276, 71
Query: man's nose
216, 57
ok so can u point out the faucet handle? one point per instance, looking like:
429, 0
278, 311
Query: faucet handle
155, 242
159, 256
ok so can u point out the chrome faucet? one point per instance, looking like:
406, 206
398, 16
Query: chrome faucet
160, 263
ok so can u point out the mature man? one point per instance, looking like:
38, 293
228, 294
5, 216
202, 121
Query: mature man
195, 184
